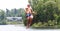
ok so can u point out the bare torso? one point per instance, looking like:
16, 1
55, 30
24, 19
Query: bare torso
28, 11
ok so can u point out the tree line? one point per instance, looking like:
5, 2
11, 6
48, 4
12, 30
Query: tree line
48, 13
10, 13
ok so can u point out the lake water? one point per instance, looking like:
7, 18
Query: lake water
22, 28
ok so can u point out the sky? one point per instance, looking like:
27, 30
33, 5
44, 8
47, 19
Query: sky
10, 4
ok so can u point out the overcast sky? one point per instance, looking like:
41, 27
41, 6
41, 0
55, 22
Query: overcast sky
10, 4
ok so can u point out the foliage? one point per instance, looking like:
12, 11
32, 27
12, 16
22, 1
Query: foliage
48, 11
11, 13
2, 17
15, 12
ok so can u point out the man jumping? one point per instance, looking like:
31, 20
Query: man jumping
29, 15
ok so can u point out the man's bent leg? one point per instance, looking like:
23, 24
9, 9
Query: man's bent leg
28, 20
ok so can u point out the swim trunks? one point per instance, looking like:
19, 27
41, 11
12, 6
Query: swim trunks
28, 14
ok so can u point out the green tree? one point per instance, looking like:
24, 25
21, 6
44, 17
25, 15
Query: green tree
46, 10
2, 17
